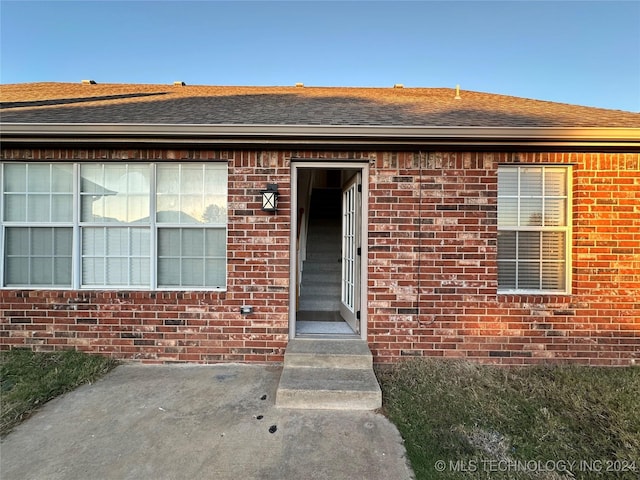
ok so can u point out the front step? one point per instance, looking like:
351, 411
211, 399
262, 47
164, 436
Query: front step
325, 353
328, 374
328, 389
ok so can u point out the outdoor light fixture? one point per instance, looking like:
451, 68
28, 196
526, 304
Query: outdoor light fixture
270, 198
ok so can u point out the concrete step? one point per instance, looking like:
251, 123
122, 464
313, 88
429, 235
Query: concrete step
347, 354
328, 388
328, 374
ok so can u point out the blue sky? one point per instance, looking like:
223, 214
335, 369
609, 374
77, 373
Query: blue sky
582, 52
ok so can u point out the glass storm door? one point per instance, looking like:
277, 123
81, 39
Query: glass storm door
350, 295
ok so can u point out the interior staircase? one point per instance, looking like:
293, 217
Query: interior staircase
320, 288
321, 271
328, 374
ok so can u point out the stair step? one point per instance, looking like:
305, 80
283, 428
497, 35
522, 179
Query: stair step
346, 354
322, 236
325, 232
328, 374
324, 316
332, 233
313, 267
324, 288
319, 304
323, 257
320, 281
328, 388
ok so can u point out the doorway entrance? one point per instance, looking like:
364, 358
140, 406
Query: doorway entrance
328, 250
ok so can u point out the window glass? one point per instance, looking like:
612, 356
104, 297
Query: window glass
555, 211
530, 182
39, 178
215, 272
192, 194
187, 255
15, 177
39, 256
531, 211
533, 228
529, 275
38, 193
506, 273
528, 245
108, 255
15, 207
507, 245
553, 277
115, 193
555, 180
115, 230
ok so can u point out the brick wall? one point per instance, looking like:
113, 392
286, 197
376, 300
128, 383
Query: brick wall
433, 273
175, 326
432, 269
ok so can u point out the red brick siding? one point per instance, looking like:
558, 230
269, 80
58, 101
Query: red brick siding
432, 269
176, 326
433, 282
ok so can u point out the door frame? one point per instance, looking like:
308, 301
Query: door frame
364, 238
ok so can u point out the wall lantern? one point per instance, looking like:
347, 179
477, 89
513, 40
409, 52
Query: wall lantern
270, 198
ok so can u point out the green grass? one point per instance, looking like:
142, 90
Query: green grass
496, 422
29, 379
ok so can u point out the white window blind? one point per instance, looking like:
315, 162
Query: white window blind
114, 225
37, 226
116, 195
38, 256
191, 217
533, 228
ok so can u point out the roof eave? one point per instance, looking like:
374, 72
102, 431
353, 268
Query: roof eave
319, 135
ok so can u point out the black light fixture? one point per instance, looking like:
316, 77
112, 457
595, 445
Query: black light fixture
270, 198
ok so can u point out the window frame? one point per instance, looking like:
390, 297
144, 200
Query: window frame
566, 228
153, 226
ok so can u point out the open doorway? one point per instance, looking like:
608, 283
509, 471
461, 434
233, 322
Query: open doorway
327, 251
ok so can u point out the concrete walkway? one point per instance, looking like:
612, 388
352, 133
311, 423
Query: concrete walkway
197, 422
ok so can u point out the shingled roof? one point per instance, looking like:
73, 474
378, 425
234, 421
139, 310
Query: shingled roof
76, 103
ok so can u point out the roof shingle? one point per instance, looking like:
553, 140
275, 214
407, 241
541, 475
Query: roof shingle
217, 105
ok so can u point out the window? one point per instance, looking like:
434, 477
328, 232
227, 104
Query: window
534, 221
115, 225
115, 233
190, 196
38, 221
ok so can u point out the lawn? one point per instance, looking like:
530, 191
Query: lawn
28, 379
464, 420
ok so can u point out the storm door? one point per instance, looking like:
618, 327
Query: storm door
351, 252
